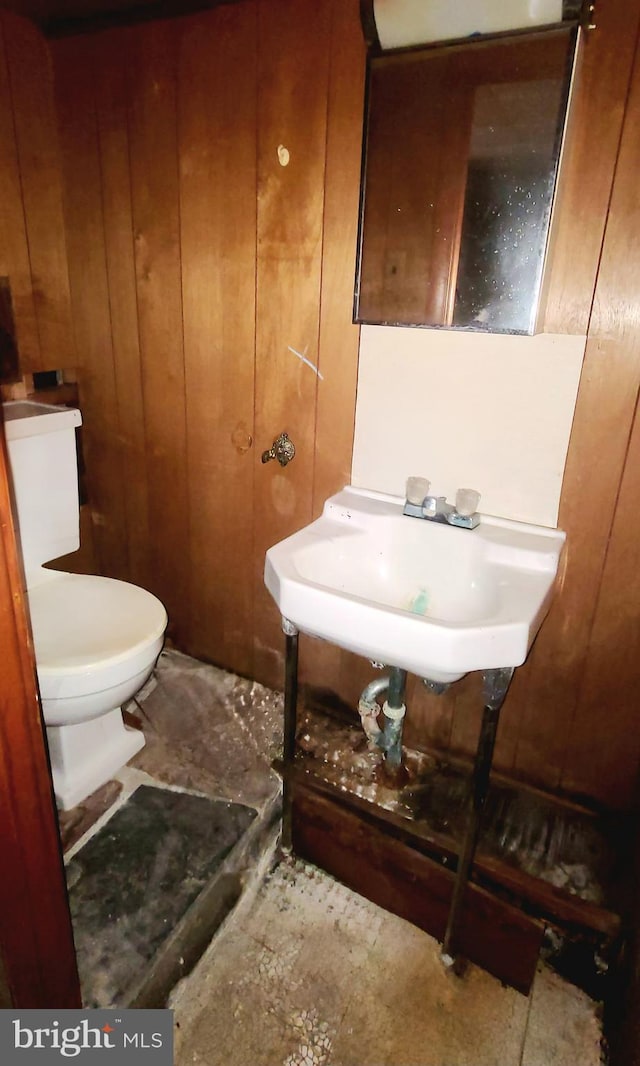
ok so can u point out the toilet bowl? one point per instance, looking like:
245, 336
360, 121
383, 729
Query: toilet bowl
96, 642
96, 639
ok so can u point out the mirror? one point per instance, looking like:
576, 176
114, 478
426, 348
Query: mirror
460, 161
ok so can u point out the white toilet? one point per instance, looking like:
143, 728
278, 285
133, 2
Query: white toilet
96, 639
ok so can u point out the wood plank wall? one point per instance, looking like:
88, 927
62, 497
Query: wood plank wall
200, 264
198, 261
568, 724
32, 238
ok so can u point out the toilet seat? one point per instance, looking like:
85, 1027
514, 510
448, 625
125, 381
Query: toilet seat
85, 626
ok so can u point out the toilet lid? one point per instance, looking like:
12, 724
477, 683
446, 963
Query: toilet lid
79, 621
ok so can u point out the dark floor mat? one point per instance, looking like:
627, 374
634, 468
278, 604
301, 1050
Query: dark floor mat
133, 882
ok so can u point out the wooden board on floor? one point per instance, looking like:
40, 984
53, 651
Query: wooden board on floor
540, 897
357, 852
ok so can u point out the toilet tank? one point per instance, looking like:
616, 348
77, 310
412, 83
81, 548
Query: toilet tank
42, 456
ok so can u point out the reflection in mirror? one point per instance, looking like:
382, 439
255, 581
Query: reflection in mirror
461, 156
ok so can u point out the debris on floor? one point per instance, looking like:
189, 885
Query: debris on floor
134, 881
310, 974
569, 849
301, 971
210, 731
157, 858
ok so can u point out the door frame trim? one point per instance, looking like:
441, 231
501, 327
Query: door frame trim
36, 938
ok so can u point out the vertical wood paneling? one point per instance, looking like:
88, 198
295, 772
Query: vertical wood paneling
599, 438
14, 249
108, 61
322, 664
536, 735
598, 759
339, 337
217, 120
544, 695
176, 160
602, 754
90, 294
587, 170
32, 92
292, 113
152, 81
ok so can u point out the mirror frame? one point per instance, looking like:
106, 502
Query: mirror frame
375, 52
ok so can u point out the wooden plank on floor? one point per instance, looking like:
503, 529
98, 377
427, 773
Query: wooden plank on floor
493, 934
217, 122
542, 898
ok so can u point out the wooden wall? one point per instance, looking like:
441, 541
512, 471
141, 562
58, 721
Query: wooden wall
570, 720
200, 265
32, 240
198, 262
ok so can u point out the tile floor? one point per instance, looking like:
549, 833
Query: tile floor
310, 974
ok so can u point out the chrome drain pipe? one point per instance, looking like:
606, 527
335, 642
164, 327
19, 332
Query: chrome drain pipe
389, 738
369, 709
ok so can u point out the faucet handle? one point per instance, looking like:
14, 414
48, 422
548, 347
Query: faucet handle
467, 501
416, 489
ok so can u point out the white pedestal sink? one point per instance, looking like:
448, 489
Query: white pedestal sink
432, 599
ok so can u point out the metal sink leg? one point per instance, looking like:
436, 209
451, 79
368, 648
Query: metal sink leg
290, 711
495, 685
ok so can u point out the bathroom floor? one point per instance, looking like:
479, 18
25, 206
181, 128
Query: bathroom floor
157, 858
310, 974
299, 969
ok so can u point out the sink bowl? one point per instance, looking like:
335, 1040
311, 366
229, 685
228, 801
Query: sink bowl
432, 599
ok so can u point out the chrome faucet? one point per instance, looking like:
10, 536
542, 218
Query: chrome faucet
420, 504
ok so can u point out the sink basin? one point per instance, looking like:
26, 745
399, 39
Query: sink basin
432, 599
